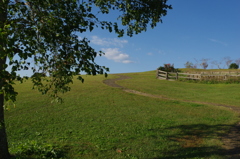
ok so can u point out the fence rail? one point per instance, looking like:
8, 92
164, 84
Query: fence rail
196, 76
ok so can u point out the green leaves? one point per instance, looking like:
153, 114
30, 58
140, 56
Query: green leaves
47, 33
80, 78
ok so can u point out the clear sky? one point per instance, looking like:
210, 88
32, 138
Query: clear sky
191, 31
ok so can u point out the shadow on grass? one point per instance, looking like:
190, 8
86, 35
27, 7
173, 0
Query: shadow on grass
191, 139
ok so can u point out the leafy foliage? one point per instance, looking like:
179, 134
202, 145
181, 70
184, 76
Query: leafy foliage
47, 31
38, 74
167, 68
233, 66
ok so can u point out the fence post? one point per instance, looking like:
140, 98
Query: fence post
176, 75
166, 75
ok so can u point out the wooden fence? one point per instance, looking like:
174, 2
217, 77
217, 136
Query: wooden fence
196, 76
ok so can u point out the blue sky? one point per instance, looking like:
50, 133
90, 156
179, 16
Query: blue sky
191, 31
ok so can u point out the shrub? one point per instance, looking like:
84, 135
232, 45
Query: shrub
161, 68
233, 66
167, 68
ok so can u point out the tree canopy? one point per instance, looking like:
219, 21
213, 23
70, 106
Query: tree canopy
47, 32
233, 66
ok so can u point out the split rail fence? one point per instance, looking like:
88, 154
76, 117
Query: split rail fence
197, 76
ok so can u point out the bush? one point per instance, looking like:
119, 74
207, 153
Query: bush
233, 66
161, 68
167, 68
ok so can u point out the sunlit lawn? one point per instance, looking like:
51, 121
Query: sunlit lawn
97, 121
227, 94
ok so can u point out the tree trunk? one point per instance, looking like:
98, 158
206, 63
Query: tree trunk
4, 154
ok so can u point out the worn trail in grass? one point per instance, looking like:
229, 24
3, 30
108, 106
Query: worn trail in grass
231, 139
98, 121
225, 94
112, 83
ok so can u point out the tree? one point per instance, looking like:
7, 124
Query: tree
47, 32
196, 63
218, 64
233, 66
189, 65
227, 61
204, 63
237, 61
39, 74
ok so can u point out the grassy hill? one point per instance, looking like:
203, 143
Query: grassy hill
98, 121
227, 94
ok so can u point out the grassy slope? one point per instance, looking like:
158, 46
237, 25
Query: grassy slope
227, 94
97, 121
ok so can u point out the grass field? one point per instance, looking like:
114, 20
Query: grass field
98, 121
227, 94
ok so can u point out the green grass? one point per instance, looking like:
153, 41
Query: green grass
227, 94
97, 121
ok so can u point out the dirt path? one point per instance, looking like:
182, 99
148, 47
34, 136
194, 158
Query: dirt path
231, 140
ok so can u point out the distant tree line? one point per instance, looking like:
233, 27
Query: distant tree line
226, 62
